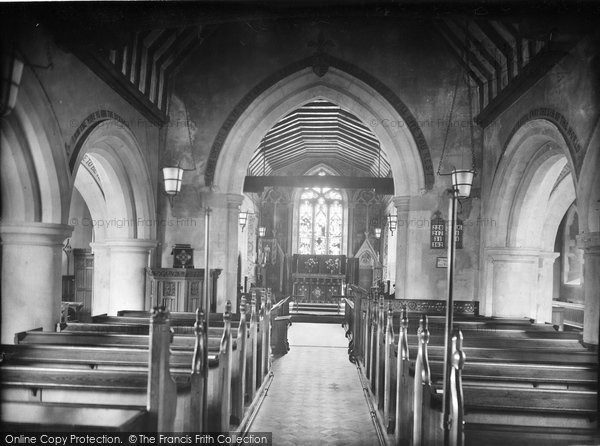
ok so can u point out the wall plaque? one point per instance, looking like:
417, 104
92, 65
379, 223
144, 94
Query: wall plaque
458, 233
438, 231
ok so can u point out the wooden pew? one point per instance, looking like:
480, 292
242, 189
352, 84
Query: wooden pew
104, 336
531, 385
427, 407
219, 363
156, 384
255, 362
402, 424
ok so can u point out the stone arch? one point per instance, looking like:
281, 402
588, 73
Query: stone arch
111, 174
588, 186
343, 84
35, 181
35, 177
124, 178
561, 124
533, 158
532, 189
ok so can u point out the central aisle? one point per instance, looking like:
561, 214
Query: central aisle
316, 397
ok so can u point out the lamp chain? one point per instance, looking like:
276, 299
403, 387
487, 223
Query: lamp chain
470, 97
449, 123
189, 132
472, 137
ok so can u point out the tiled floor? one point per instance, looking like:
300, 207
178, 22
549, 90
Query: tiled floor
316, 396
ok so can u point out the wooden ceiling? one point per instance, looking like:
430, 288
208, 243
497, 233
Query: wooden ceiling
504, 56
320, 131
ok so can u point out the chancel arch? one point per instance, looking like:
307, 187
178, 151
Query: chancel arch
338, 87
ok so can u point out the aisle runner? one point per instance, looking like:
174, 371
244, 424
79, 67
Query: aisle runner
316, 396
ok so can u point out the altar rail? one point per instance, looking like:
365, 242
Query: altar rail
431, 307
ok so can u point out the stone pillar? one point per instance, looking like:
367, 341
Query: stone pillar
402, 205
511, 282
545, 286
590, 243
101, 296
128, 260
229, 275
31, 276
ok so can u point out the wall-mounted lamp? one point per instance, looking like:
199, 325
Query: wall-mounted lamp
377, 232
392, 221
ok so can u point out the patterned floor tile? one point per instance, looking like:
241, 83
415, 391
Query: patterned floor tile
316, 396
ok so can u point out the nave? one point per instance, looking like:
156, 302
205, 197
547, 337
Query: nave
196, 155
316, 396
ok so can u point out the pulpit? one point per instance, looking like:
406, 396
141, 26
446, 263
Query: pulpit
179, 289
317, 278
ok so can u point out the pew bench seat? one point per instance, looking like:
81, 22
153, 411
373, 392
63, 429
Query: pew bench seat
477, 434
70, 379
573, 377
529, 400
138, 328
36, 417
505, 342
479, 330
516, 355
91, 338
177, 318
91, 357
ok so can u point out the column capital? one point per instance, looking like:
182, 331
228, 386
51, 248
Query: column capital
589, 242
512, 255
234, 201
34, 233
130, 245
548, 257
402, 203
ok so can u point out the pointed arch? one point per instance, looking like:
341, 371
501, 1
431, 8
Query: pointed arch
344, 85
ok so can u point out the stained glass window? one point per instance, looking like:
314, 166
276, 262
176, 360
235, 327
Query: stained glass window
321, 221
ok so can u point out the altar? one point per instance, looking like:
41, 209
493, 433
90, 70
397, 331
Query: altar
318, 278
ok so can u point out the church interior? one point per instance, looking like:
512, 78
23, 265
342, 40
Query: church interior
339, 222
